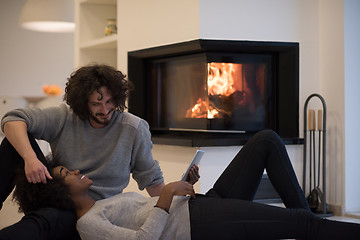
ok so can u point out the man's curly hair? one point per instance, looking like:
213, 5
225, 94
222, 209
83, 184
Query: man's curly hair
30, 197
84, 81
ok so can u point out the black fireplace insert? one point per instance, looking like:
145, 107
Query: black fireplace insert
216, 92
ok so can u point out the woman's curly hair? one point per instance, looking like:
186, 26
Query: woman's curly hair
30, 197
84, 81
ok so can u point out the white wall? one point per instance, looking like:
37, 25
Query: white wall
144, 24
331, 52
30, 59
352, 100
263, 20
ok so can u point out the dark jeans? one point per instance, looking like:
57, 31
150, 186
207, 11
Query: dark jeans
47, 223
227, 210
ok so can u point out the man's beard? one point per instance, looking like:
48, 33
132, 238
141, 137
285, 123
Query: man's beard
104, 122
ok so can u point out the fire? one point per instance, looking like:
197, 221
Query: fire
212, 113
220, 79
220, 82
201, 110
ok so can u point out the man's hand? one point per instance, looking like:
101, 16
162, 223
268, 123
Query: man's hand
35, 171
194, 175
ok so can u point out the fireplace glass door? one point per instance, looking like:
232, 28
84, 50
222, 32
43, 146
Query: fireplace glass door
211, 92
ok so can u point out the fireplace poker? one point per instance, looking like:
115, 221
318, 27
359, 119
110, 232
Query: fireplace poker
320, 128
313, 195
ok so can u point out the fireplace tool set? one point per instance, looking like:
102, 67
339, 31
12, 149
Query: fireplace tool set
315, 155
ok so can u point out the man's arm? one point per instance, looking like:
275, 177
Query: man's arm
16, 133
155, 190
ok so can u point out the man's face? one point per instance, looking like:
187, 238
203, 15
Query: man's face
101, 108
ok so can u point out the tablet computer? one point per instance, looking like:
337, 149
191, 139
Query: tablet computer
196, 160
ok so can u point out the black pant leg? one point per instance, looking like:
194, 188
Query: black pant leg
9, 161
241, 178
219, 218
43, 224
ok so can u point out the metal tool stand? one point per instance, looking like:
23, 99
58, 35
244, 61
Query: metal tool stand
315, 157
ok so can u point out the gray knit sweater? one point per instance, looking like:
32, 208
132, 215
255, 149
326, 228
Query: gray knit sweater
132, 216
106, 155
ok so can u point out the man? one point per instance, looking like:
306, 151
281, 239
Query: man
93, 134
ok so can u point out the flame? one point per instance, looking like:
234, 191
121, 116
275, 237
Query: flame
221, 82
201, 110
220, 78
212, 113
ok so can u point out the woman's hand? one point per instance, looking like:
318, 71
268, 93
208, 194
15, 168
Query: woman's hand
179, 188
170, 190
194, 175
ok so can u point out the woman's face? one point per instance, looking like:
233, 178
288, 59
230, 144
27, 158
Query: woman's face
77, 182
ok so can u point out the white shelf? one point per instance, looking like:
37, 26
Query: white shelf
107, 42
91, 44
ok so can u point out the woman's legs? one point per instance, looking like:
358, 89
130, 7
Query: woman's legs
218, 218
241, 178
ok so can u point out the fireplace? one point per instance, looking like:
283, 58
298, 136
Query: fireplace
216, 92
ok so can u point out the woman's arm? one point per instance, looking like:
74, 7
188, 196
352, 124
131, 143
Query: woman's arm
96, 225
194, 176
155, 191
170, 190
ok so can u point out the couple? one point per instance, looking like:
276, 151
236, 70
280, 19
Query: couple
225, 212
95, 135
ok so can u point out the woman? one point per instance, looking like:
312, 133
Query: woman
225, 212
